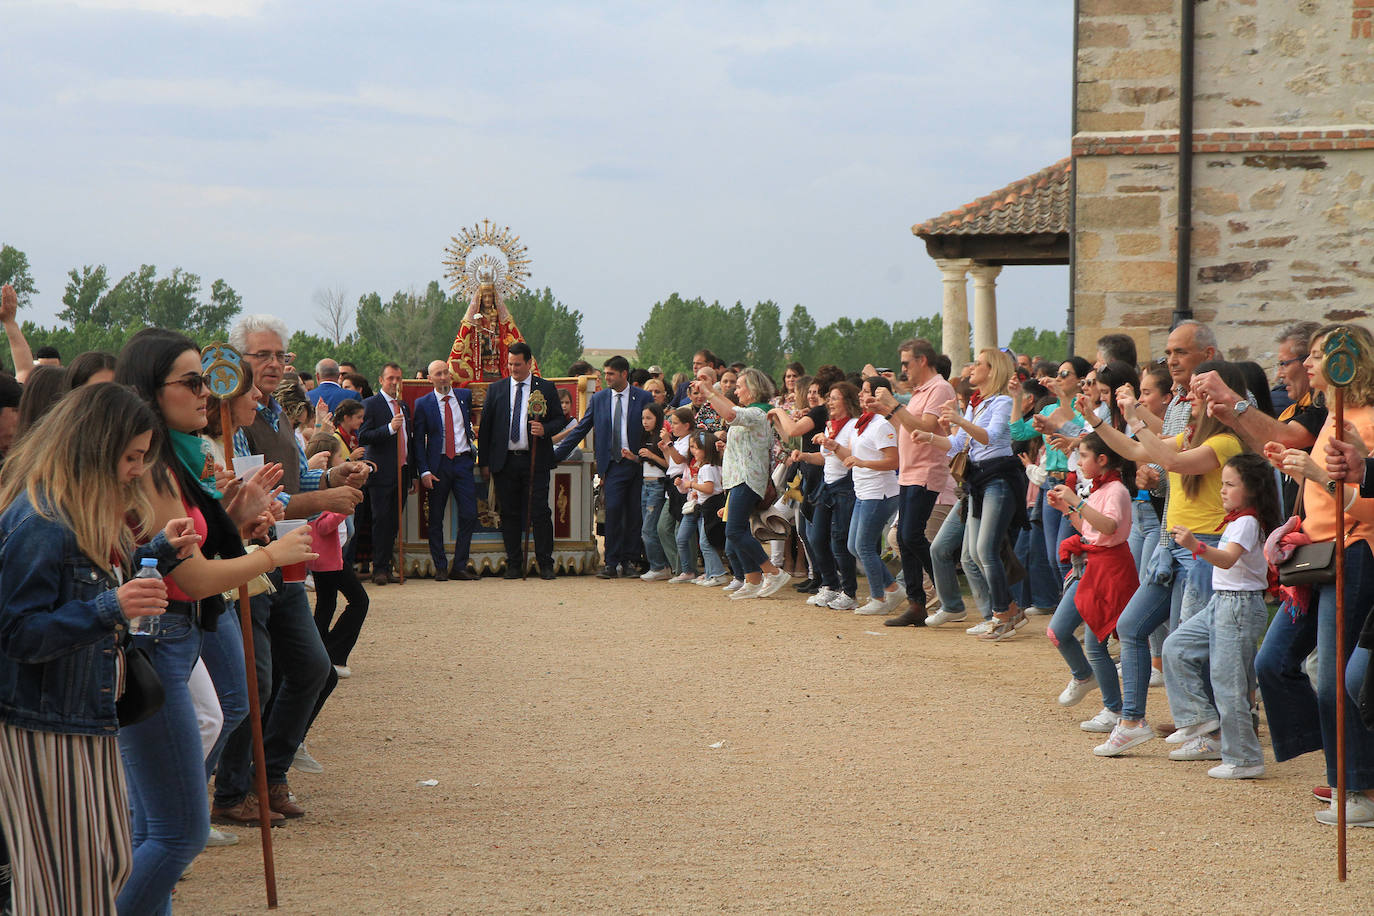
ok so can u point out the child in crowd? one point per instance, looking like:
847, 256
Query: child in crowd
652, 493
676, 434
332, 575
705, 496
1096, 596
1209, 661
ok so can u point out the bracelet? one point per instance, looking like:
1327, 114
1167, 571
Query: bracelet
1094, 426
1078, 509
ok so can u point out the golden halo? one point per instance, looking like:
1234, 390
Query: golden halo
486, 252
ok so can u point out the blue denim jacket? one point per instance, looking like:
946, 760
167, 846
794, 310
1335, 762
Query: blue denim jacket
59, 625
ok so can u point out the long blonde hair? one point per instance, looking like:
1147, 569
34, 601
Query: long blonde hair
1000, 369
68, 467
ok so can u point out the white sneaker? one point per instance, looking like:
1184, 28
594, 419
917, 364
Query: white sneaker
843, 602
772, 583
1156, 677
1076, 691
873, 608
944, 616
823, 597
983, 626
1359, 810
304, 762
747, 590
221, 838
1189, 732
656, 575
1034, 611
1123, 738
343, 671
734, 585
1203, 747
1102, 723
682, 577
1231, 771
713, 581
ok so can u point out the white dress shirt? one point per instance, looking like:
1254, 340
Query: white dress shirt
519, 422
460, 432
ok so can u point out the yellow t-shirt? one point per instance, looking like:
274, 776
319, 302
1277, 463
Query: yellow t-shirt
1202, 514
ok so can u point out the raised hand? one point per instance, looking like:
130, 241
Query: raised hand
9, 303
181, 534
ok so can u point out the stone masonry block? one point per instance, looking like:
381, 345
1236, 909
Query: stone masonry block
1118, 212
1125, 7
1215, 202
1092, 174
1110, 120
1137, 243
1097, 34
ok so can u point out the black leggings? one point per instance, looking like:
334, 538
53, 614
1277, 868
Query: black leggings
340, 639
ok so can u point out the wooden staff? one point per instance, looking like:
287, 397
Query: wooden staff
400, 491
269, 871
1340, 357
536, 409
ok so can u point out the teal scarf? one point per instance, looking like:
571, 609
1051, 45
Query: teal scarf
191, 452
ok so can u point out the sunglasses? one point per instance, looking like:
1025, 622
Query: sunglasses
195, 384
1065, 373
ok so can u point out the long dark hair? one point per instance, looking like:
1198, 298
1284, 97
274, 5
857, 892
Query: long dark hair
80, 370
1095, 444
45, 387
143, 366
1257, 476
1114, 375
708, 443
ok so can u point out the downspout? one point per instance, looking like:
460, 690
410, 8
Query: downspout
1183, 308
1073, 190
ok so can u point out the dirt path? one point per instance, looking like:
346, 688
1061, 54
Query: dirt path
570, 727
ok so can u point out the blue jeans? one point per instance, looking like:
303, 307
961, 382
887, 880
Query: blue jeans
687, 536
830, 536
1290, 702
222, 652
1142, 540
1097, 662
287, 644
667, 532
945, 553
165, 771
1040, 587
651, 506
746, 553
1179, 586
983, 539
865, 529
1209, 670
914, 503
1287, 702
710, 557
1056, 528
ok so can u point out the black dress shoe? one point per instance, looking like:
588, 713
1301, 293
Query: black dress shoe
379, 579
803, 586
546, 572
440, 575
462, 575
512, 573
608, 572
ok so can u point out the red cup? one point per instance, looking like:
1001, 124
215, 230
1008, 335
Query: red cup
293, 573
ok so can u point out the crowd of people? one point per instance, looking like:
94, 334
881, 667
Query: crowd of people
1141, 505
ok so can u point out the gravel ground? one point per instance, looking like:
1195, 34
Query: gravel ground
639, 747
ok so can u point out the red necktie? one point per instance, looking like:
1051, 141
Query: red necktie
396, 412
450, 437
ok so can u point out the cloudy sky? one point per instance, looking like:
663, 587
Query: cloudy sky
734, 151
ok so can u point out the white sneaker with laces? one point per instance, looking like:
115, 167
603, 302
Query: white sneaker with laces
944, 616
1076, 691
1102, 723
983, 626
1034, 611
747, 590
682, 577
823, 597
1359, 810
1232, 771
734, 585
1203, 747
893, 599
656, 575
304, 762
1189, 732
1123, 738
772, 583
1156, 677
221, 838
873, 608
842, 602
713, 581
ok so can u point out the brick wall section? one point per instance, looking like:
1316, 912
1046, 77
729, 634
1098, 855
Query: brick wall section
1227, 141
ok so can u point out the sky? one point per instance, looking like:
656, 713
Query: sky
734, 151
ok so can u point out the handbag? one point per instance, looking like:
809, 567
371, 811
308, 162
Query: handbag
143, 695
1310, 564
958, 465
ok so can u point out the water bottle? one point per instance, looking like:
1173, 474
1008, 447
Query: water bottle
146, 625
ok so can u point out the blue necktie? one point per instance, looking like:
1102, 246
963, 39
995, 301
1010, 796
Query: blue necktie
616, 429
515, 412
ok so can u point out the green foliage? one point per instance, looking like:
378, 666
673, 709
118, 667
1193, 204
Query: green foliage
311, 348
1053, 345
801, 337
14, 270
553, 331
765, 338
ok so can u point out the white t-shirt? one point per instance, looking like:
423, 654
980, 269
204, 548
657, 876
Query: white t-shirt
677, 470
707, 473
868, 446
834, 467
1251, 572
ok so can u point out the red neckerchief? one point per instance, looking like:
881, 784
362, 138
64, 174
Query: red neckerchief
1239, 513
1183, 395
1101, 480
835, 426
864, 420
975, 399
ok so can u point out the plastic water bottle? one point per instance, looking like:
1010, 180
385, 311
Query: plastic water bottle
146, 625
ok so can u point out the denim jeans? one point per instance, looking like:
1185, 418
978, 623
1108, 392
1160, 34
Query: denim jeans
1290, 704
1056, 527
1097, 662
667, 533
1290, 700
1142, 540
651, 507
222, 652
165, 770
746, 553
1209, 670
1179, 586
287, 644
687, 536
1040, 588
830, 536
945, 553
914, 503
983, 539
715, 566
866, 527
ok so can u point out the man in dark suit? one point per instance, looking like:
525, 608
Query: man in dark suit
504, 441
327, 387
443, 459
615, 412
386, 436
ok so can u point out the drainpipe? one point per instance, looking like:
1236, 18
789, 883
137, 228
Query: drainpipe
1183, 308
1073, 189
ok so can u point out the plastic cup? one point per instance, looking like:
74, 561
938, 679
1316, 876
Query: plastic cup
295, 572
245, 466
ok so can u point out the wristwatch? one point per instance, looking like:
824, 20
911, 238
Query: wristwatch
1241, 406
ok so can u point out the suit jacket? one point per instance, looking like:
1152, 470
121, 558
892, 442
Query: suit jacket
598, 415
429, 428
331, 393
376, 437
493, 437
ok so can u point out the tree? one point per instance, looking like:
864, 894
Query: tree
14, 270
412, 328
800, 342
1053, 345
765, 338
552, 329
333, 313
83, 294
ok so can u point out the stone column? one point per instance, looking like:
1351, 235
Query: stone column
984, 305
955, 316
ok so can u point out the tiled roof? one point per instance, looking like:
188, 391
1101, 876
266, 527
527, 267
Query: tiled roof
1034, 205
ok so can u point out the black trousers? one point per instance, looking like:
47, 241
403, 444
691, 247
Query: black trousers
512, 492
339, 638
386, 522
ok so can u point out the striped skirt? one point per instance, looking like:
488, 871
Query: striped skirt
65, 820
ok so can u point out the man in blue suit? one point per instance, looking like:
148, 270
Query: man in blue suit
386, 419
616, 414
505, 440
327, 387
444, 453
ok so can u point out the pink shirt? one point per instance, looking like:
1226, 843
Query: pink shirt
918, 463
1113, 501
